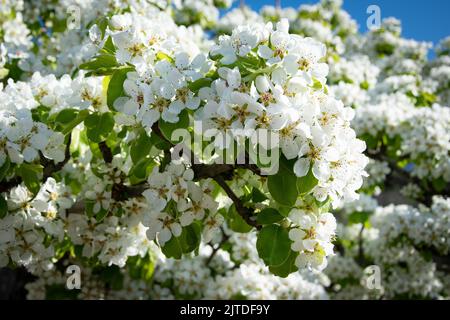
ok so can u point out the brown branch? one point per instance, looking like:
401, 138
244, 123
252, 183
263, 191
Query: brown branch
203, 171
106, 152
245, 213
225, 238
8, 185
78, 208
442, 262
361, 259
121, 192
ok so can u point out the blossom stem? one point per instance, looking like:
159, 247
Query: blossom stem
244, 212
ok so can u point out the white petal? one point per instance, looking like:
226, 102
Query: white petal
301, 167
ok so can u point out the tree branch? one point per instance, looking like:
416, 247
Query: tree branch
8, 185
106, 152
244, 212
225, 238
121, 192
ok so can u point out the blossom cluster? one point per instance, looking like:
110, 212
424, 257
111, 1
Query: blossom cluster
34, 228
88, 177
175, 201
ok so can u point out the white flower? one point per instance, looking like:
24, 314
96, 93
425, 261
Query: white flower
162, 226
100, 196
158, 194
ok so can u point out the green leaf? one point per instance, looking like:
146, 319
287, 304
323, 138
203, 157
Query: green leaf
99, 126
30, 174
307, 183
236, 222
141, 267
269, 216
3, 73
168, 128
384, 49
162, 56
187, 242
196, 85
140, 147
41, 113
142, 168
283, 185
66, 116
371, 142
438, 184
81, 116
101, 215
4, 168
89, 208
258, 196
60, 292
115, 86
109, 46
287, 267
273, 245
358, 217
112, 276
159, 143
317, 85
106, 61
3, 207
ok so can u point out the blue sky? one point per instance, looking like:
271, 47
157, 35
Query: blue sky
425, 20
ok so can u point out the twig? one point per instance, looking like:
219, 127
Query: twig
121, 192
244, 212
106, 152
79, 207
225, 238
361, 258
7, 185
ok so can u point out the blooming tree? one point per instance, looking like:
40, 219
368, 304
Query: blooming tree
170, 153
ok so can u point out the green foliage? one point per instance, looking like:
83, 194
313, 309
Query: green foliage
103, 64
273, 245
236, 222
115, 86
4, 168
283, 185
99, 126
111, 276
287, 267
306, 183
3, 207
31, 176
269, 216
196, 85
358, 217
140, 147
188, 241
141, 267
168, 128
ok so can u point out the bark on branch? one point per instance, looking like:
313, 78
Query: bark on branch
245, 213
